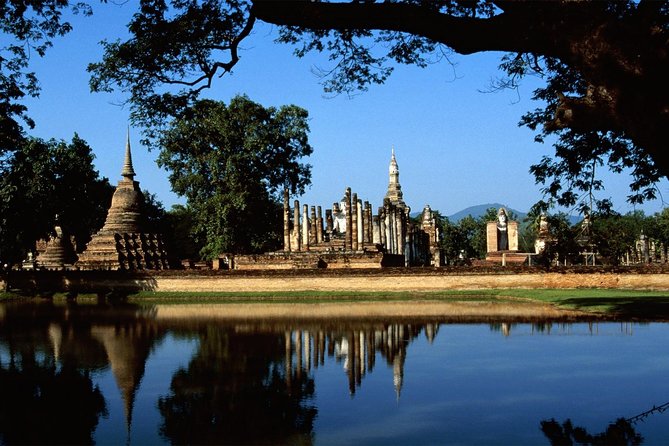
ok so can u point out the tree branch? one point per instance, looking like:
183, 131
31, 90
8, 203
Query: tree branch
466, 35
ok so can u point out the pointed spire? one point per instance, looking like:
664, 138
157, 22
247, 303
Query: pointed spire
394, 189
393, 160
128, 171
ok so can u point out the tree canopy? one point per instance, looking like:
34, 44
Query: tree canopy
232, 162
45, 179
605, 101
605, 64
28, 29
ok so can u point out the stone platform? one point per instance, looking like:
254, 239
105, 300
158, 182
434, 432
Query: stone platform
506, 257
317, 259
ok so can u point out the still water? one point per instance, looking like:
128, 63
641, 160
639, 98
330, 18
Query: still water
123, 374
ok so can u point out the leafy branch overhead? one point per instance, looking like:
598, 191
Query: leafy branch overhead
605, 65
28, 29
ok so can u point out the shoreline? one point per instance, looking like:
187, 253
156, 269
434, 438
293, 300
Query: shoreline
457, 311
391, 280
629, 293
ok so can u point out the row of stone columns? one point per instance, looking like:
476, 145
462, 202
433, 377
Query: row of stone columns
393, 227
307, 228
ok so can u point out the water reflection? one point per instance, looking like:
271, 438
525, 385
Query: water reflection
51, 352
563, 328
245, 381
355, 348
234, 390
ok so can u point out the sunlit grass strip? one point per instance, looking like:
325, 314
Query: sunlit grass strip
639, 303
308, 297
553, 296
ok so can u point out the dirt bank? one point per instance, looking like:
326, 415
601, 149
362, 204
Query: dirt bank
415, 282
404, 279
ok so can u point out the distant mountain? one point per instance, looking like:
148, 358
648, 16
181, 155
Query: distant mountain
479, 210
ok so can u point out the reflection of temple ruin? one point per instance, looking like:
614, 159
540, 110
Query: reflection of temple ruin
356, 349
124, 347
350, 236
127, 349
122, 339
122, 242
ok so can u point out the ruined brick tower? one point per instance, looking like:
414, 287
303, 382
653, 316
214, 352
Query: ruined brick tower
122, 242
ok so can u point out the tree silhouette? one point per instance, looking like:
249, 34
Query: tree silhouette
42, 404
621, 432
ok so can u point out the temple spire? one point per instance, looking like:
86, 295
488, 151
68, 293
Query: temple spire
394, 193
128, 171
393, 165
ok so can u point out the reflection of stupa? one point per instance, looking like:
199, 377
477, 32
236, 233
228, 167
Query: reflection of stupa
127, 350
121, 243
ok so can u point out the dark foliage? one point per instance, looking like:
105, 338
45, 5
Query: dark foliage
43, 180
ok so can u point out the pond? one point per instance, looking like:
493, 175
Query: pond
122, 374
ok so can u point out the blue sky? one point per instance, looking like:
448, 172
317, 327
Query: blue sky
455, 146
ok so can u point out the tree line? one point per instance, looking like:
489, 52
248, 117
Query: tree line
604, 100
230, 161
614, 238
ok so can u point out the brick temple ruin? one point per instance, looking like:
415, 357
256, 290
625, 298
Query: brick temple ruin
123, 243
350, 236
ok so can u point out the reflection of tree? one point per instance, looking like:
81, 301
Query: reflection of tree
41, 404
620, 432
235, 390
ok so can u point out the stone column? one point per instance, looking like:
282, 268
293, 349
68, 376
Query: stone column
347, 209
313, 238
297, 228
305, 227
390, 247
319, 225
353, 229
286, 221
399, 241
368, 223
491, 236
512, 227
382, 228
376, 230
393, 229
329, 222
410, 250
361, 226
